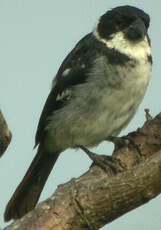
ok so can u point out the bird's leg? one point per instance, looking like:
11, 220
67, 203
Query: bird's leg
103, 161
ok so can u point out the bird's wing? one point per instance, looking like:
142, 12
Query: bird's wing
72, 72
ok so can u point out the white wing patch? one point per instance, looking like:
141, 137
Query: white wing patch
66, 95
66, 72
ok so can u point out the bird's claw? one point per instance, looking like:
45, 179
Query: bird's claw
103, 161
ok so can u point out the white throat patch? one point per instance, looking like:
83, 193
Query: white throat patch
137, 50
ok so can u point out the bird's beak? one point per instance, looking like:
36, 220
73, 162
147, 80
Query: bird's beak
136, 31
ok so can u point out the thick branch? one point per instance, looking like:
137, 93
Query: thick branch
5, 135
98, 197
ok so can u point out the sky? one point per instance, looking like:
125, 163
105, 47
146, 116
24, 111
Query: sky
35, 37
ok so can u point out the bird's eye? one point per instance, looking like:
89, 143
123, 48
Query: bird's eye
129, 20
124, 21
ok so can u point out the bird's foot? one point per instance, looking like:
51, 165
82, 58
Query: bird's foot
124, 141
103, 161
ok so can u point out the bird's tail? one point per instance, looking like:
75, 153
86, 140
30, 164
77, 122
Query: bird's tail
28, 192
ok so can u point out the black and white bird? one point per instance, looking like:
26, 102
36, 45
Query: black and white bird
94, 95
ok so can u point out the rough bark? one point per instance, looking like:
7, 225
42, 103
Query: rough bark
5, 135
98, 197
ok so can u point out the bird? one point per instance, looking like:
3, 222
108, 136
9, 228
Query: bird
94, 95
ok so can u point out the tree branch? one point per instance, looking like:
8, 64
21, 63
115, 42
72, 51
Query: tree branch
5, 135
98, 197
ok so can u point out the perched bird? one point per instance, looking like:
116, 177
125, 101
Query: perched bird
95, 94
